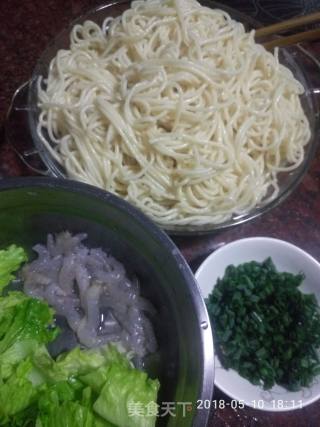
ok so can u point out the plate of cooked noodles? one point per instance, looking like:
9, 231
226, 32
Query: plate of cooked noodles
176, 108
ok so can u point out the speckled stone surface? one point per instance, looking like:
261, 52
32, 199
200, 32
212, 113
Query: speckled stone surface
25, 29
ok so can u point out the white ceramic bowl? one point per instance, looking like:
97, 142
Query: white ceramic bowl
286, 257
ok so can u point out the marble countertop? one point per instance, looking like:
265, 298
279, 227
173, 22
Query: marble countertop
26, 28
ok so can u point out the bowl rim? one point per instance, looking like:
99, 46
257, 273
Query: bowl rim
55, 170
254, 239
209, 262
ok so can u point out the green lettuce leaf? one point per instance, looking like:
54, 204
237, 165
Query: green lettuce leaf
96, 378
128, 398
61, 406
25, 418
10, 260
17, 394
25, 324
79, 362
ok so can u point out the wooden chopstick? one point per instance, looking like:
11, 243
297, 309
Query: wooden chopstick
293, 39
287, 25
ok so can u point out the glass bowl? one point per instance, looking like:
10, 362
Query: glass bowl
303, 65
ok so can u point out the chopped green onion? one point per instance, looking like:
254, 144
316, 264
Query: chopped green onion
265, 327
